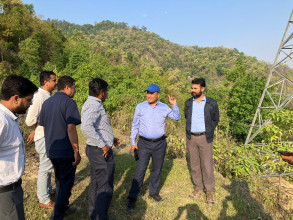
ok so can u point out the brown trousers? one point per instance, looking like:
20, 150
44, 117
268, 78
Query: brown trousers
201, 162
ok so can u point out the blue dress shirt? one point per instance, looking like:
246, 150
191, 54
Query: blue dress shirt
149, 121
197, 120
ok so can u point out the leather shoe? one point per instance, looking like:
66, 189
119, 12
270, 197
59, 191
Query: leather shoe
131, 204
49, 205
156, 197
196, 194
69, 210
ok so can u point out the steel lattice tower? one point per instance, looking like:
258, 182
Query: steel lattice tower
278, 91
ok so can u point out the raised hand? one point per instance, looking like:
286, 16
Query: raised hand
172, 100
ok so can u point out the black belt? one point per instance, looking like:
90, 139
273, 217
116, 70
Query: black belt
198, 134
10, 187
154, 140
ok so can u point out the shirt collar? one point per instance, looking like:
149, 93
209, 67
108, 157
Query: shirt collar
158, 103
61, 93
94, 98
203, 100
43, 90
8, 112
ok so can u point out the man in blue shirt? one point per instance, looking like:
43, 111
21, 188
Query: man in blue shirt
149, 122
59, 117
202, 116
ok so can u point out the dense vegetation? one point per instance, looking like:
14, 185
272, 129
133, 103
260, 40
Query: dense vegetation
130, 58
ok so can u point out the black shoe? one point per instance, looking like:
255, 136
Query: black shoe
131, 204
156, 197
70, 210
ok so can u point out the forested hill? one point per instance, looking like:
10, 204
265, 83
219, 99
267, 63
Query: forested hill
129, 59
125, 44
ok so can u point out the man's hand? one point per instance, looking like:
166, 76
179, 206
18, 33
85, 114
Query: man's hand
77, 158
106, 150
172, 100
133, 147
117, 142
30, 138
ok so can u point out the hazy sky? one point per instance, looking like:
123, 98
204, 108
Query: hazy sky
254, 27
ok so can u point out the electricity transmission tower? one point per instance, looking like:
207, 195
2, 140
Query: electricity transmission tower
278, 91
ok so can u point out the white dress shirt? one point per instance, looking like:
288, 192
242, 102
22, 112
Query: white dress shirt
34, 111
12, 150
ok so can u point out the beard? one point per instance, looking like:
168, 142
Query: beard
196, 95
21, 110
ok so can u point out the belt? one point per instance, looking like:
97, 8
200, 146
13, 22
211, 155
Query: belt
154, 140
10, 187
198, 134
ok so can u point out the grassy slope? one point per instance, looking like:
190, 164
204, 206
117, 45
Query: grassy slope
233, 199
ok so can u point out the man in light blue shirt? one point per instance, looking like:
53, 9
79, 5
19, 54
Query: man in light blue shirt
202, 116
149, 122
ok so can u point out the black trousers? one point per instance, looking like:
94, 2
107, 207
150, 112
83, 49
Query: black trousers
147, 150
101, 186
64, 176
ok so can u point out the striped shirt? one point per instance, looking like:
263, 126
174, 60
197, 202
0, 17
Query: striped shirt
95, 124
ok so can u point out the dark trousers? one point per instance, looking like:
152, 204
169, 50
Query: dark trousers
147, 150
201, 162
11, 204
101, 186
64, 176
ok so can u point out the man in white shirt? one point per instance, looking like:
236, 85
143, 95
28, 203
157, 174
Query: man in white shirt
44, 188
16, 96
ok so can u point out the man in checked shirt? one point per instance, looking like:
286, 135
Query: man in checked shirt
97, 128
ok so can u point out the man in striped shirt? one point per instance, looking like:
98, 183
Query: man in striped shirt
97, 128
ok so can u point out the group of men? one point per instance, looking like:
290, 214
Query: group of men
53, 120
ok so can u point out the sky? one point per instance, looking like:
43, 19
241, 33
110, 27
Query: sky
255, 27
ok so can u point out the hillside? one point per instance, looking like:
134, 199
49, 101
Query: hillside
135, 45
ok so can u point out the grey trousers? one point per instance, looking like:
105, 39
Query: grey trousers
201, 162
44, 187
11, 205
102, 182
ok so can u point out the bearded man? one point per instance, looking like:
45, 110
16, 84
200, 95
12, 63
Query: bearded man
202, 116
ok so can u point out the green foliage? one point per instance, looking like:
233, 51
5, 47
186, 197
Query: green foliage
243, 99
29, 54
176, 147
244, 161
281, 127
27, 43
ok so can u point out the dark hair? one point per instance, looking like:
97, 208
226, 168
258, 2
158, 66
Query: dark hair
45, 75
17, 85
65, 81
96, 85
200, 81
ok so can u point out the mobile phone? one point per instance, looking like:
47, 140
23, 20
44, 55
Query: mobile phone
136, 155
